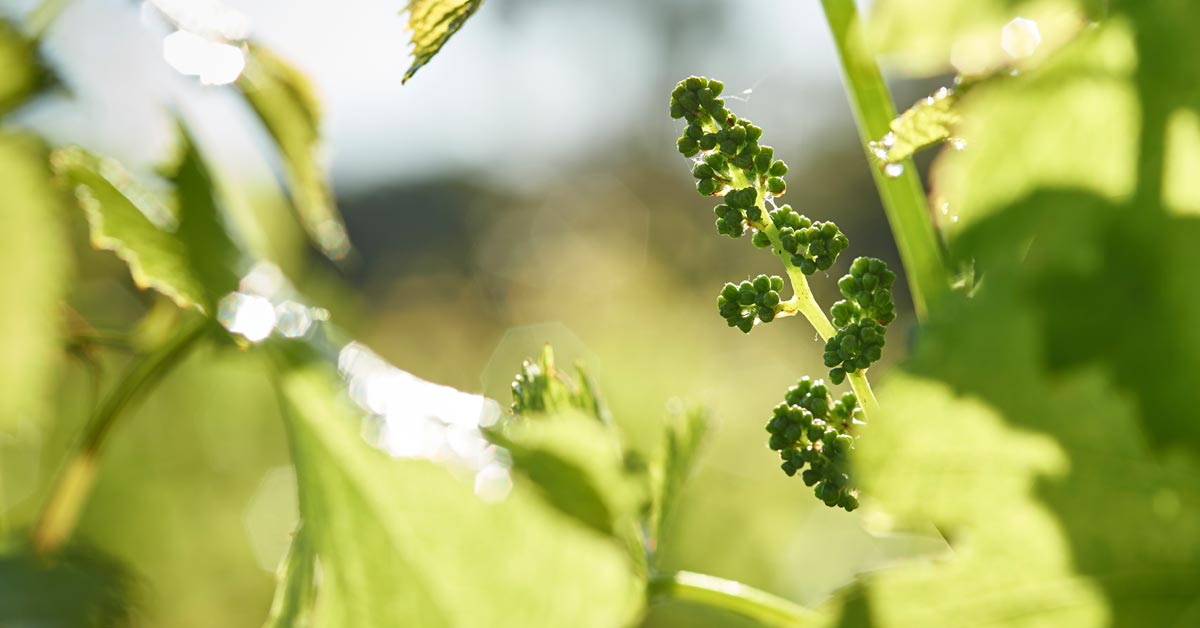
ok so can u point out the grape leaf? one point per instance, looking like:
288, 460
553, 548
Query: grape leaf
1048, 423
930, 121
36, 260
405, 543
925, 36
185, 254
283, 99
25, 72
432, 23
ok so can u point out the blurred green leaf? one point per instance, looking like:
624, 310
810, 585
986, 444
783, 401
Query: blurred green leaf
186, 254
405, 543
432, 22
924, 36
1071, 123
577, 464
685, 432
75, 589
36, 262
283, 99
25, 73
296, 591
1049, 423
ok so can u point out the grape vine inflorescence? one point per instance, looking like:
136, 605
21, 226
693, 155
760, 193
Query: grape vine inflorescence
813, 434
811, 430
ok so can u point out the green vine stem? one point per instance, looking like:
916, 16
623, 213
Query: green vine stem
728, 595
73, 485
903, 196
803, 302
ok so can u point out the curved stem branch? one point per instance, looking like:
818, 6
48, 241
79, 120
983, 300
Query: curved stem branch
728, 595
62, 508
903, 196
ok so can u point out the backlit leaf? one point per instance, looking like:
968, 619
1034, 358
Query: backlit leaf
405, 543
432, 22
283, 99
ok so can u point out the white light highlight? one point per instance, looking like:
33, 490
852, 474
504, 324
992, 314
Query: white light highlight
412, 418
192, 55
250, 316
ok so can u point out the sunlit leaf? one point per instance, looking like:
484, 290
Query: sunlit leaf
183, 252
283, 100
24, 70
1048, 423
36, 261
1081, 104
932, 36
75, 589
684, 433
432, 22
405, 543
929, 122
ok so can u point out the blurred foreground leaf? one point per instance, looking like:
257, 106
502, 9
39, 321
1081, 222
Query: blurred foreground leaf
185, 254
1049, 423
284, 102
24, 71
577, 464
405, 543
36, 261
75, 589
432, 22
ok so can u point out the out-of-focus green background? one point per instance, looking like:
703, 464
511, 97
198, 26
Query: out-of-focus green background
522, 189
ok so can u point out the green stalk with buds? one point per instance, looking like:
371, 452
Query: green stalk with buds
813, 433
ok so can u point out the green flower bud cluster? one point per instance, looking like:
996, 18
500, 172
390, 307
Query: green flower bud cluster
754, 300
728, 143
813, 436
868, 287
860, 318
853, 348
740, 207
813, 245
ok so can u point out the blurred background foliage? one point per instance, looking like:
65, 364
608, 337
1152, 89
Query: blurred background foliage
522, 189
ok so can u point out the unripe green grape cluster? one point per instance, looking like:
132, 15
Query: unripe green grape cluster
812, 245
728, 142
811, 432
743, 304
868, 286
813, 435
860, 318
739, 209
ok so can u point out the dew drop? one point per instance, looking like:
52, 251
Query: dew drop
893, 170
958, 143
889, 140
